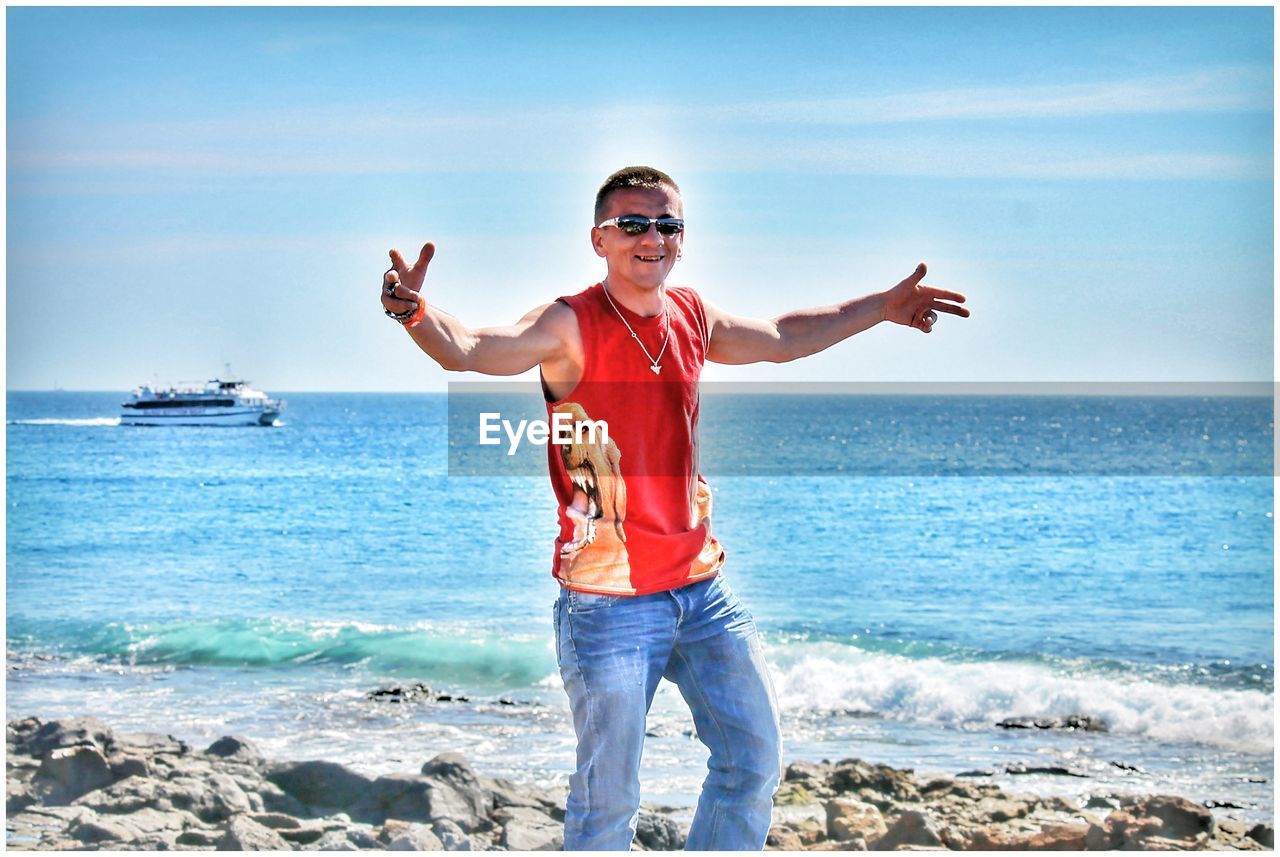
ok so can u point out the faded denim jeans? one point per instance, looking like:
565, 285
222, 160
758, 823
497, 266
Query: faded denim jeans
612, 651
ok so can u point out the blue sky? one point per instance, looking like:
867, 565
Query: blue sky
191, 187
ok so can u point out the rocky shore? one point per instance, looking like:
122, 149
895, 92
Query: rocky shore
74, 784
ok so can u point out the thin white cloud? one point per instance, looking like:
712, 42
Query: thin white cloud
858, 134
1244, 88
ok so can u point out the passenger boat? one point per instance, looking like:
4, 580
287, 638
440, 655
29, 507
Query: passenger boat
218, 403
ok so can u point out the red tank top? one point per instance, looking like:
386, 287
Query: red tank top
635, 515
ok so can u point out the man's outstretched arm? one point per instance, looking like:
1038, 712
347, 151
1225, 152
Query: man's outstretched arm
798, 334
540, 336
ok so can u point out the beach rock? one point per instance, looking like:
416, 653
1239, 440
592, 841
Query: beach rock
127, 765
95, 830
407, 836
911, 828
401, 693
127, 795
452, 836
1174, 819
807, 821
151, 744
1052, 837
417, 692
306, 831
792, 793
276, 820
67, 772
146, 829
19, 795
832, 845
658, 833
402, 796
952, 790
245, 834
1002, 808
40, 826
506, 793
525, 829
334, 840
805, 772
1050, 770
1073, 722
874, 782
18, 733
1263, 834
212, 799
849, 819
325, 785
452, 769
274, 799
1181, 818
56, 734
456, 793
235, 749
202, 839
782, 839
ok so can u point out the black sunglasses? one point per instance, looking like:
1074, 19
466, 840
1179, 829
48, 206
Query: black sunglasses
638, 224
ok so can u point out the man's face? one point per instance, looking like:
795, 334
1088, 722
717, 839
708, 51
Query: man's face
639, 261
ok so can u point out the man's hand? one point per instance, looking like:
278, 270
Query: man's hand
401, 284
917, 305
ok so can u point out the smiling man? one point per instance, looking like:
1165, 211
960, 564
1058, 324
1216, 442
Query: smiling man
643, 595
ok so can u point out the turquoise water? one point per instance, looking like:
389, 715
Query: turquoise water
261, 581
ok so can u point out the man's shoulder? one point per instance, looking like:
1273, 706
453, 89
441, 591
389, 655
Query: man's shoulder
688, 298
684, 294
558, 319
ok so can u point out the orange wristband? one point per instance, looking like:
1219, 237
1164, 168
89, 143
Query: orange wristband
418, 314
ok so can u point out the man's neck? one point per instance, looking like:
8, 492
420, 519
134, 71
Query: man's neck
643, 302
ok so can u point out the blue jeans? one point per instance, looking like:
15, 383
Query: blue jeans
612, 651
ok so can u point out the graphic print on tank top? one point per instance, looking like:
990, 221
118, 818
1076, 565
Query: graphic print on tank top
598, 506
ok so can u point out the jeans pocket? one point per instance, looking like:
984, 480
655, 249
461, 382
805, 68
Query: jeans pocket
584, 602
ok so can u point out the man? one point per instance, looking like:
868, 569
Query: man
642, 596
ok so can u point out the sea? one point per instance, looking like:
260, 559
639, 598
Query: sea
922, 568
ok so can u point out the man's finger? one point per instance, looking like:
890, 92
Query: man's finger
397, 261
398, 304
390, 277
424, 258
941, 294
918, 274
951, 308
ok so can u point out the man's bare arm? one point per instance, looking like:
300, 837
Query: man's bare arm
544, 335
735, 339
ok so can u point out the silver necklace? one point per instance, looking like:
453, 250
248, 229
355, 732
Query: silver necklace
654, 366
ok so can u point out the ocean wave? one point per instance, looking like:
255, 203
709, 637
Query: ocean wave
936, 684
834, 677
51, 421
436, 653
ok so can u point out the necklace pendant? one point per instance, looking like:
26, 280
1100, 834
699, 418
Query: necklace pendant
655, 368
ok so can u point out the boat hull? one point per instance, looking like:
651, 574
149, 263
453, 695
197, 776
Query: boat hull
200, 417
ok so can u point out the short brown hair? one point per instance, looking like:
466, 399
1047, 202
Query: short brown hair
627, 177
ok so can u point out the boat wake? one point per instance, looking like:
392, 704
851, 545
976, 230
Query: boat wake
93, 421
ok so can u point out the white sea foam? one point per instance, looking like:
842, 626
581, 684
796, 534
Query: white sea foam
94, 421
829, 676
